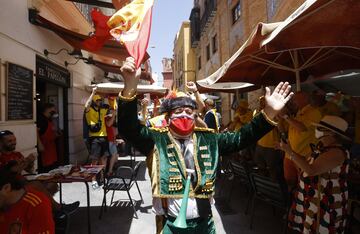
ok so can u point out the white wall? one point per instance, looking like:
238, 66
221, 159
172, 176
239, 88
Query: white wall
20, 41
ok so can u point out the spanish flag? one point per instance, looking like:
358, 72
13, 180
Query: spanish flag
131, 25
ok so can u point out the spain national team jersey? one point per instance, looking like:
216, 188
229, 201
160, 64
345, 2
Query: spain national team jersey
5, 158
32, 214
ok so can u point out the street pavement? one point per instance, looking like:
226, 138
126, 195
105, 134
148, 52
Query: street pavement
229, 214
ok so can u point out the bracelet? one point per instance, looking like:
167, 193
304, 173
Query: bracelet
127, 99
267, 118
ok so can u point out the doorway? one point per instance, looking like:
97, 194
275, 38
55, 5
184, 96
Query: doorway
47, 92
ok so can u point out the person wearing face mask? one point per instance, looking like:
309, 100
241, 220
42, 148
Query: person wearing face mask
321, 195
172, 150
47, 134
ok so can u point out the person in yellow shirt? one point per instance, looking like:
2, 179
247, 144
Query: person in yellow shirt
301, 132
95, 113
318, 100
267, 155
243, 115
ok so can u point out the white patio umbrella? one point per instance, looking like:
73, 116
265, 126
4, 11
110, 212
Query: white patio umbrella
115, 88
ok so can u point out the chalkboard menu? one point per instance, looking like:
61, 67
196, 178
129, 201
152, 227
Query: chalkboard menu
19, 95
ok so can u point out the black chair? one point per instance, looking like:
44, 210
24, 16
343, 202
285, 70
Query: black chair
61, 219
239, 173
123, 180
273, 193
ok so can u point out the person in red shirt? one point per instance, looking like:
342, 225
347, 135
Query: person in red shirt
19, 163
23, 211
111, 136
8, 153
47, 134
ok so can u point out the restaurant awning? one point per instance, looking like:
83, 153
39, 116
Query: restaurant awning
111, 49
320, 37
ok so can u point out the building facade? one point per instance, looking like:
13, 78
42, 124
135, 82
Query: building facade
167, 72
184, 59
22, 47
219, 28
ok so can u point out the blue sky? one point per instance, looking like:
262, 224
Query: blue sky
167, 18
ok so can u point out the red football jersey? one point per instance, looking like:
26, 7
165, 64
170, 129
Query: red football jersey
32, 214
13, 156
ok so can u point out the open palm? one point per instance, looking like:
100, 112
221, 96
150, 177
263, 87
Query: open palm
276, 100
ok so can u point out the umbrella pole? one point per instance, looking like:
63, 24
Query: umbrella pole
298, 85
297, 70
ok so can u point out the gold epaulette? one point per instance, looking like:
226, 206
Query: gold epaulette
198, 129
165, 129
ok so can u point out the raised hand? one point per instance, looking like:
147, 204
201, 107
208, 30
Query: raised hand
131, 77
276, 101
145, 102
191, 86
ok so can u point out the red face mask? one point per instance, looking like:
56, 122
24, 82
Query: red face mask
182, 124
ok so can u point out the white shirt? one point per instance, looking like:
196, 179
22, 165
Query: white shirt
174, 205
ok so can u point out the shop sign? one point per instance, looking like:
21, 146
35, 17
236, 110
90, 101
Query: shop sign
52, 72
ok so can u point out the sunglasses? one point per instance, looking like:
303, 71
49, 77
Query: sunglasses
6, 133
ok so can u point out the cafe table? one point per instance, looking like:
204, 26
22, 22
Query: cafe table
85, 174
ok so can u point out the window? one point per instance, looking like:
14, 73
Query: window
214, 44
236, 12
199, 63
208, 52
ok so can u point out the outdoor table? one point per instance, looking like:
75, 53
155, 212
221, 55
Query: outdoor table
86, 176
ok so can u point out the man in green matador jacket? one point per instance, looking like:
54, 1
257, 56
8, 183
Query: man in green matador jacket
180, 146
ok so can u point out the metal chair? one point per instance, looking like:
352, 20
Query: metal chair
270, 192
61, 219
237, 171
123, 180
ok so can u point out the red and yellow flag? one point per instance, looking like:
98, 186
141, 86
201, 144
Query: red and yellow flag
131, 25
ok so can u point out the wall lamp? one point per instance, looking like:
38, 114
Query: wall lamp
76, 53
89, 60
66, 63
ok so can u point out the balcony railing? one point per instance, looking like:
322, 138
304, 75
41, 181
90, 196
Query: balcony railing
85, 11
208, 15
195, 26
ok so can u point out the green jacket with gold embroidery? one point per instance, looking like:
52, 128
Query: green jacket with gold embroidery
165, 161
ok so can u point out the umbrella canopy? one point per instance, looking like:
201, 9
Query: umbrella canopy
115, 88
226, 87
320, 37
